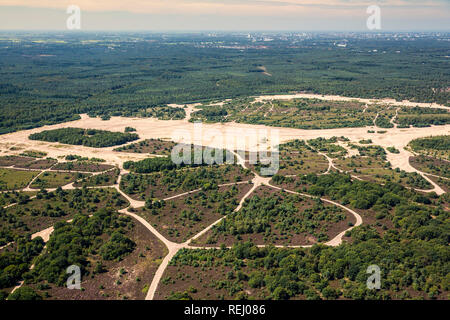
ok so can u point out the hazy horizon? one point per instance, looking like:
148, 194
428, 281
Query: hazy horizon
226, 15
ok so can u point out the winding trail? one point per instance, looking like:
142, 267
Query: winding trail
160, 129
394, 118
257, 182
174, 248
375, 120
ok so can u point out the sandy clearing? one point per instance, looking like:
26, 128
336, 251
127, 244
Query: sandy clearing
153, 128
350, 152
385, 101
394, 118
44, 234
264, 71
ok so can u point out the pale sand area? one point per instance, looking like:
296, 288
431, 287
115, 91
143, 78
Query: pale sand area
386, 101
213, 134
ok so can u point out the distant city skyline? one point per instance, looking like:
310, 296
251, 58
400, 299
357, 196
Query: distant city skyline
226, 15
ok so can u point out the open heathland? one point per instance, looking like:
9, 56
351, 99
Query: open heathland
172, 182
270, 216
181, 218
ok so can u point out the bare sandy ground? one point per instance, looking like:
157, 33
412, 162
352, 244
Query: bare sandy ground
211, 134
153, 128
385, 101
183, 130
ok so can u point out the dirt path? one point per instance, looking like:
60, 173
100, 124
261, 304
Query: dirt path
386, 101
153, 128
257, 182
175, 247
338, 239
375, 120
172, 247
394, 118
198, 190
148, 128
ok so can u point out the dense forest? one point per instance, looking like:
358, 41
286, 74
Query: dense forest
15, 263
102, 234
150, 165
86, 137
139, 74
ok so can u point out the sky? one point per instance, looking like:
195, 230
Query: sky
226, 15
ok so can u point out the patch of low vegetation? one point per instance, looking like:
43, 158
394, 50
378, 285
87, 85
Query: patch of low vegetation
15, 261
151, 146
49, 207
374, 167
51, 179
295, 157
183, 217
437, 146
273, 217
296, 113
8, 161
171, 182
117, 255
329, 146
84, 166
11, 179
105, 179
422, 117
393, 150
431, 165
7, 198
150, 165
103, 237
317, 273
22, 162
130, 129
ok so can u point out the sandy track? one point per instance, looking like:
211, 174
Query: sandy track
395, 118
386, 101
153, 128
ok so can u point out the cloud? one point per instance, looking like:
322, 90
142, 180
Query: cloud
233, 7
225, 14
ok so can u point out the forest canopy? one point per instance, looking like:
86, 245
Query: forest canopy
72, 76
86, 137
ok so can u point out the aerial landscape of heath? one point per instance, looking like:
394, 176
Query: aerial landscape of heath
204, 160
